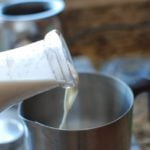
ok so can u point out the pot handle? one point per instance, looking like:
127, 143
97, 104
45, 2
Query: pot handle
142, 85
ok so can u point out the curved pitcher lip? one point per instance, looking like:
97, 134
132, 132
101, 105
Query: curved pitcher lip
55, 42
54, 8
91, 128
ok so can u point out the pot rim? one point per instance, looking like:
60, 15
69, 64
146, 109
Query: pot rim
54, 8
105, 125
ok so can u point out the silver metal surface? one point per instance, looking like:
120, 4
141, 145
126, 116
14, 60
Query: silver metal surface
101, 117
12, 133
23, 22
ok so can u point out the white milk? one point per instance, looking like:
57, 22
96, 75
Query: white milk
33, 69
69, 98
12, 92
71, 93
36, 68
25, 63
23, 73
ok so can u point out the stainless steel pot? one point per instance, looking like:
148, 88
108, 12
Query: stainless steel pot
101, 117
23, 21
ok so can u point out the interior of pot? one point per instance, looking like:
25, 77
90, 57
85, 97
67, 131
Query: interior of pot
30, 10
101, 100
26, 8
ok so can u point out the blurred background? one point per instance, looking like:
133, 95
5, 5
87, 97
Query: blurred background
104, 36
115, 36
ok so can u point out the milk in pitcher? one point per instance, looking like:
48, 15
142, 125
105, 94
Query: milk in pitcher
35, 68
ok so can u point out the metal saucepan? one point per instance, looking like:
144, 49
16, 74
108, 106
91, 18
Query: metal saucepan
100, 119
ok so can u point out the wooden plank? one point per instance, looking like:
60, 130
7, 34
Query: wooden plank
73, 4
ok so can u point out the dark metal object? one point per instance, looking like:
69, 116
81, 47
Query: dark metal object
101, 117
133, 71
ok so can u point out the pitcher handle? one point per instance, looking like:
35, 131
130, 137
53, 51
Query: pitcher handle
142, 85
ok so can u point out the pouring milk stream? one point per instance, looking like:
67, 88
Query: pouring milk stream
35, 68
